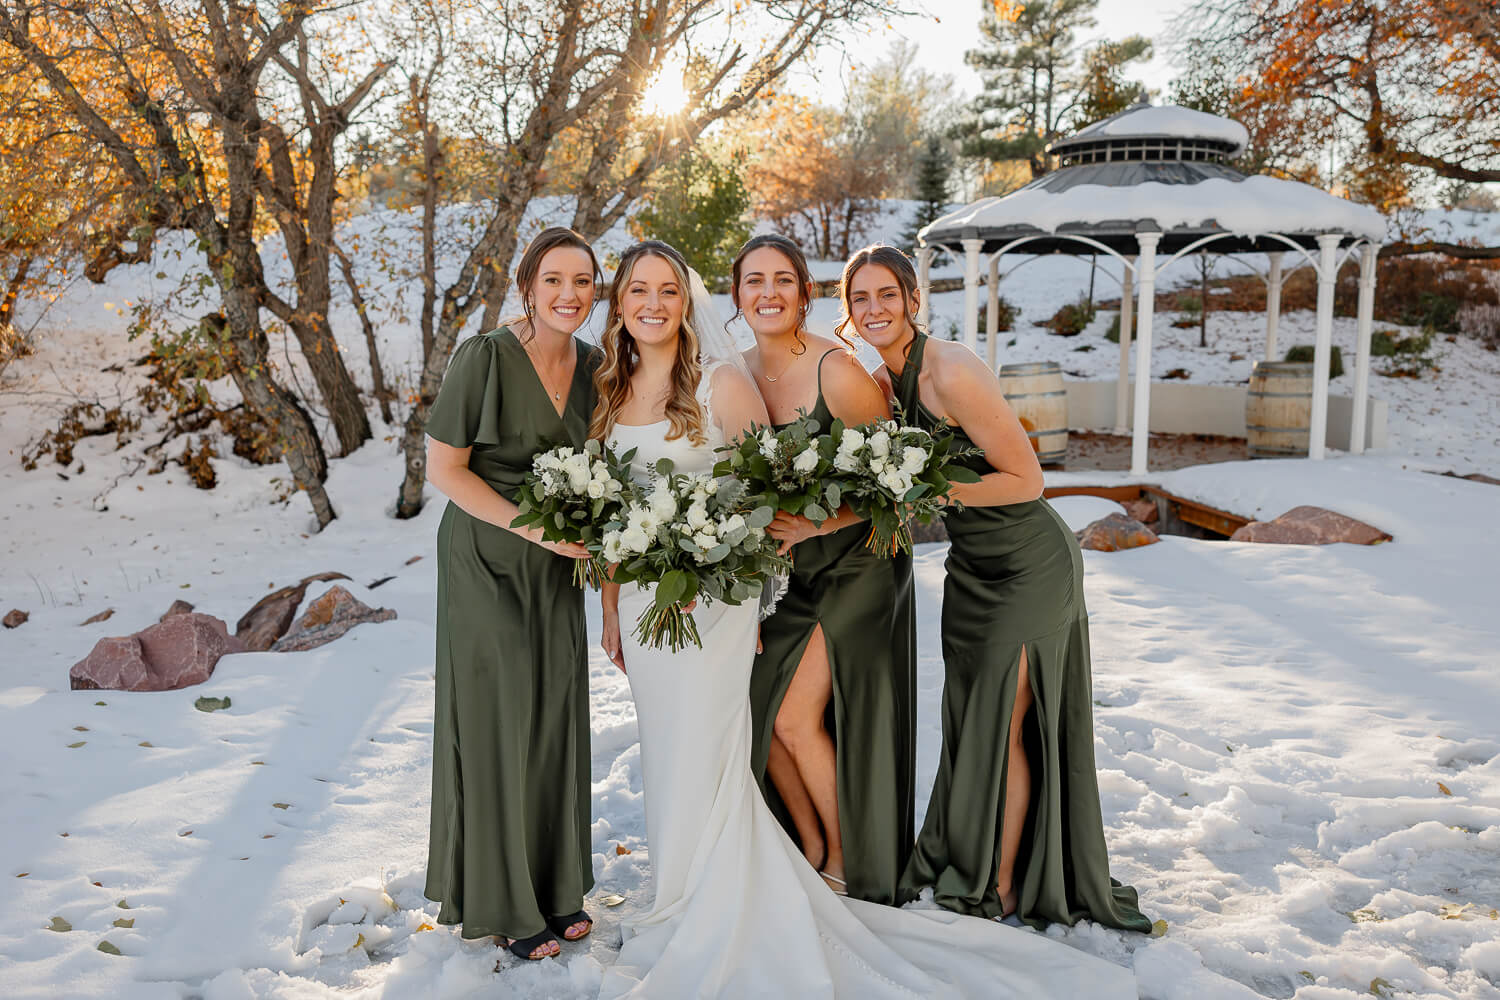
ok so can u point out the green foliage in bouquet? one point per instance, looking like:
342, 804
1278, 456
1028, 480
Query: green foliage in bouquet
891, 474
571, 495
695, 538
788, 470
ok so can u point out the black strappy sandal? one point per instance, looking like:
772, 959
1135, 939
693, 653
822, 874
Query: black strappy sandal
524, 947
560, 925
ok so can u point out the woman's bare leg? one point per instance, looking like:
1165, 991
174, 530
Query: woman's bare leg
799, 726
782, 771
1017, 789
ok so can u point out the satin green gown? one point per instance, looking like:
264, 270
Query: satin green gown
1014, 581
867, 607
509, 842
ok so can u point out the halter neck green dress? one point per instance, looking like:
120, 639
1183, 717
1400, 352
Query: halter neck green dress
1014, 580
867, 607
509, 843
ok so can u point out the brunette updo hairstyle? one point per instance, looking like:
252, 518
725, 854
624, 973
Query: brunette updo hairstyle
893, 260
789, 249
531, 263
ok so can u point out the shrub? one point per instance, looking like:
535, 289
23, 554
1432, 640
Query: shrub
1305, 352
1382, 343
1192, 305
1071, 319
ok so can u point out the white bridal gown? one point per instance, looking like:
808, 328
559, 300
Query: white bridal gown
738, 911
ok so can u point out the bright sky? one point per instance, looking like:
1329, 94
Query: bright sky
950, 27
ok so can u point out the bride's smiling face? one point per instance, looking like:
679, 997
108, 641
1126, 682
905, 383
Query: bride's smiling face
652, 303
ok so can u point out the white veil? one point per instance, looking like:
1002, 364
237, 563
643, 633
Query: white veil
716, 347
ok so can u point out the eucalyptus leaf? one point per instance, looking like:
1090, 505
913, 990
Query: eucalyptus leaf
814, 513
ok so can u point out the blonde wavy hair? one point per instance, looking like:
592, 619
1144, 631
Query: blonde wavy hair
622, 356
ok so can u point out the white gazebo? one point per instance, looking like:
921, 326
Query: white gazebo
1150, 185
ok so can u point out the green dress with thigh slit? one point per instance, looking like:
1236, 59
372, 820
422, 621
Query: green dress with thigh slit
866, 605
1014, 581
509, 842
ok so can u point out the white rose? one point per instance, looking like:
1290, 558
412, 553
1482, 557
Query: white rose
697, 516
877, 465
880, 444
807, 460
845, 462
601, 472
852, 441
705, 540
612, 550
711, 486
663, 503
634, 540
596, 489
913, 459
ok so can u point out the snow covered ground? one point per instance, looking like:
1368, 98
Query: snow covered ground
1298, 753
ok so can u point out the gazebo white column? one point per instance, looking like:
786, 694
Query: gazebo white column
1328, 248
1146, 272
992, 311
1273, 304
924, 285
971, 293
1367, 259
1127, 317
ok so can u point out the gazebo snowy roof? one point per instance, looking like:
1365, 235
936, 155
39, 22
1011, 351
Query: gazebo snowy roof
1155, 181
1156, 169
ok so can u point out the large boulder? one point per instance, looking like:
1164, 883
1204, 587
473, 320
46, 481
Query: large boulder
175, 653
327, 618
1116, 532
272, 615
1310, 526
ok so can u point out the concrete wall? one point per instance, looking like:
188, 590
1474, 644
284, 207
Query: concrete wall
1179, 408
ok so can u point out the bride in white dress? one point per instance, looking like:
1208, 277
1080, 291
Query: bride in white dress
738, 912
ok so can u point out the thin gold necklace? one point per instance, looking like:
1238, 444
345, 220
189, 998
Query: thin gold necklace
537, 366
795, 355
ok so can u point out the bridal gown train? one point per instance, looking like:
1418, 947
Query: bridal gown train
738, 912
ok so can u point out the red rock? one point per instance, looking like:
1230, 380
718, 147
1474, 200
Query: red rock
179, 607
1114, 533
15, 618
1310, 526
327, 618
176, 653
1142, 509
268, 621
101, 616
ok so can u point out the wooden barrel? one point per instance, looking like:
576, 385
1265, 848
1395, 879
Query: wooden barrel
1035, 392
1278, 409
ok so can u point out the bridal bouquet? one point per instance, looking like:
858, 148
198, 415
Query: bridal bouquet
790, 469
694, 537
571, 494
892, 474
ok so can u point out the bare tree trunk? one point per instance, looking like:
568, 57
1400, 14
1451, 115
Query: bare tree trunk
383, 394
13, 290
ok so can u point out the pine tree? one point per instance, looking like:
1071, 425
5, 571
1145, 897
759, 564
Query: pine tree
934, 167
1026, 58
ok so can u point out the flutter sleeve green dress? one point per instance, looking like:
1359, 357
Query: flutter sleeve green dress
1014, 580
509, 843
866, 605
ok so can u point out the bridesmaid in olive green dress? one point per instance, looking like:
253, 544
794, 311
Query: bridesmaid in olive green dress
1014, 823
509, 852
833, 692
